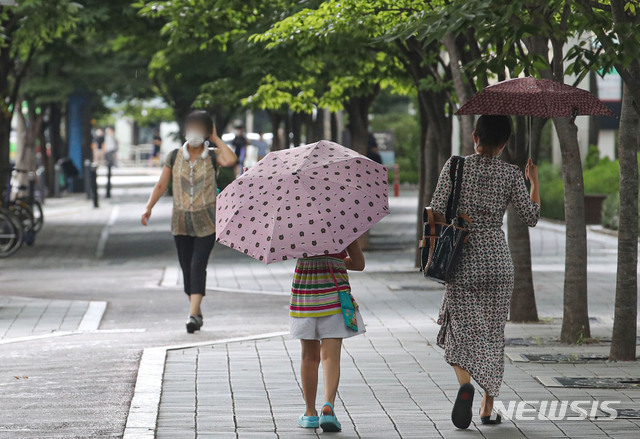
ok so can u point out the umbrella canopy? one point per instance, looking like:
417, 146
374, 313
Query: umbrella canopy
311, 200
534, 97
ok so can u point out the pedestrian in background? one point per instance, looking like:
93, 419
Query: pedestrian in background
263, 147
476, 302
374, 154
318, 319
98, 143
157, 147
192, 172
110, 147
239, 144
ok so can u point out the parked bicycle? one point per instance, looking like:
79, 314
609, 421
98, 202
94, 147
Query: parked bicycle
21, 217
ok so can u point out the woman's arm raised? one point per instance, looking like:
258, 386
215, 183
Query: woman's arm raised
225, 155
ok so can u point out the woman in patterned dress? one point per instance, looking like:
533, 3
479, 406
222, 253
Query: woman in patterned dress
475, 305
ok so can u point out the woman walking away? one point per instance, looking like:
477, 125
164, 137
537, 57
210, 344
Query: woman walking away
322, 313
192, 171
476, 301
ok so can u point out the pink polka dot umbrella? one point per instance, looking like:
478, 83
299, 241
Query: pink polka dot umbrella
534, 97
311, 200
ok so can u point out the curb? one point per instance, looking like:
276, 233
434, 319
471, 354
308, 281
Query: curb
145, 404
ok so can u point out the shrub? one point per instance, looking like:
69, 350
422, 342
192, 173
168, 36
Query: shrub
611, 211
603, 178
551, 192
592, 158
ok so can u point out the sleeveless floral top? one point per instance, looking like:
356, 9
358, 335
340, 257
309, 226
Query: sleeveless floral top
194, 195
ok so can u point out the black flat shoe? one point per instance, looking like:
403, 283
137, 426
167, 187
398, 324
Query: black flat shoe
492, 419
193, 325
462, 408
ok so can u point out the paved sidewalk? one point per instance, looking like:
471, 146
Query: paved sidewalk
23, 319
395, 382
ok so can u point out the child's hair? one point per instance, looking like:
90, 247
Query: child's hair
493, 131
200, 117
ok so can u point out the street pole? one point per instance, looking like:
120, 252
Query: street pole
109, 180
87, 178
94, 183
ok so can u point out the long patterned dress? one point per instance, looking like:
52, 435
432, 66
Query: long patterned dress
476, 302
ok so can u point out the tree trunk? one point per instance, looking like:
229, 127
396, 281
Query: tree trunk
575, 318
575, 321
296, 128
6, 110
463, 91
275, 125
5, 133
623, 341
358, 110
429, 164
523, 300
286, 140
29, 129
593, 122
317, 127
334, 127
58, 146
422, 169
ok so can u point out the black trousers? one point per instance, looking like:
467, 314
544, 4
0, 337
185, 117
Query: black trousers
193, 254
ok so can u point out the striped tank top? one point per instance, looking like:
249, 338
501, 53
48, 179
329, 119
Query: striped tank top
314, 292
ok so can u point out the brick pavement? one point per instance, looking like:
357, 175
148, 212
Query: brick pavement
395, 383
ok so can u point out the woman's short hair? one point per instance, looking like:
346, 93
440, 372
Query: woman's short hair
493, 131
200, 117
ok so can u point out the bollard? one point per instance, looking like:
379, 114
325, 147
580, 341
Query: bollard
396, 180
87, 182
56, 180
109, 180
94, 183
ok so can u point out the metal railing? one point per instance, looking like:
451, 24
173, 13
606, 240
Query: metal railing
137, 152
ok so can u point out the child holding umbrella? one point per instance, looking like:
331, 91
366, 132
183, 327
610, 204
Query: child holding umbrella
308, 203
322, 313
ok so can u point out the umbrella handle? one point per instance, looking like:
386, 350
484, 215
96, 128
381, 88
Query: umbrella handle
530, 131
574, 114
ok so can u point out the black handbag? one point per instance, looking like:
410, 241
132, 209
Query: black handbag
444, 235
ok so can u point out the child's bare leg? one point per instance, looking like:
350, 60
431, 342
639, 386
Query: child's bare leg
330, 351
309, 371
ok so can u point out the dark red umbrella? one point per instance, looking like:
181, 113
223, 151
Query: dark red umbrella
535, 97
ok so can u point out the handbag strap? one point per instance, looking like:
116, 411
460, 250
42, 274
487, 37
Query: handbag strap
335, 281
455, 173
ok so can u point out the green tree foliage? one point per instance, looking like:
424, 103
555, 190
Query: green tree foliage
25, 29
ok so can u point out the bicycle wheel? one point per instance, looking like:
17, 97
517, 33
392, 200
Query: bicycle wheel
10, 234
38, 213
24, 213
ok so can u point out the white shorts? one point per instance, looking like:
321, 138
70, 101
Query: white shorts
317, 328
